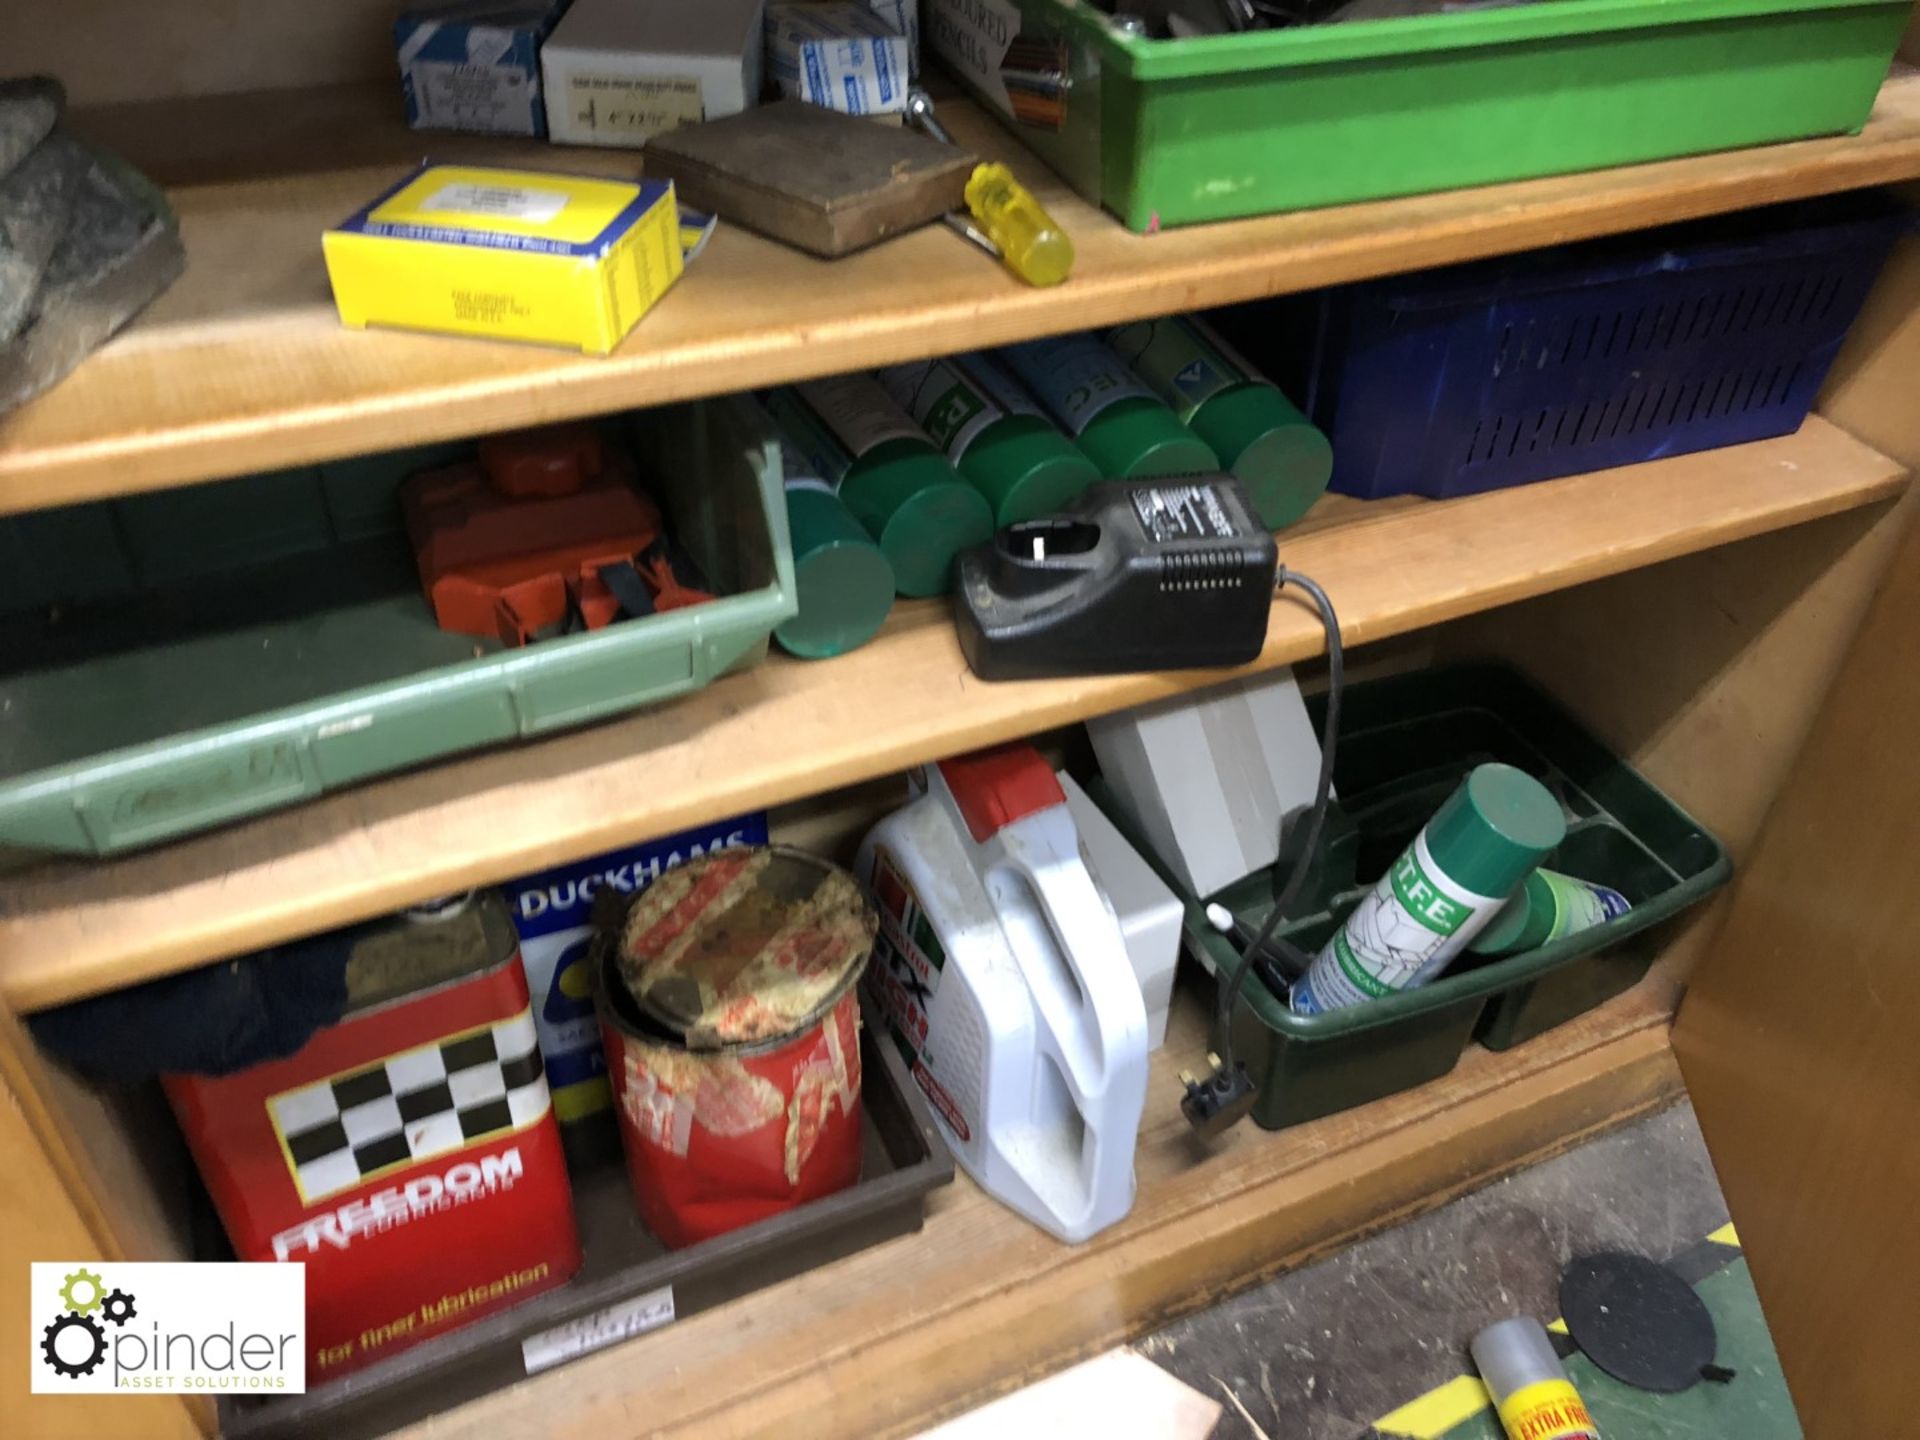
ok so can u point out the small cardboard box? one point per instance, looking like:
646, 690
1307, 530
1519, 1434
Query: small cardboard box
842, 56
518, 254
474, 65
619, 72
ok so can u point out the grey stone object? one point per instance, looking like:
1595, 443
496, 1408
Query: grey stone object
85, 243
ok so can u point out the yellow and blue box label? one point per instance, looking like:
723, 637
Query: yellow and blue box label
517, 254
551, 911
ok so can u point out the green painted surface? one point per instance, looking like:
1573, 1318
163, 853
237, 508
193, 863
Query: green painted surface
1753, 1406
1170, 132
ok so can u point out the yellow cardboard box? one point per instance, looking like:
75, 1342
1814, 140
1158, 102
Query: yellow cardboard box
521, 254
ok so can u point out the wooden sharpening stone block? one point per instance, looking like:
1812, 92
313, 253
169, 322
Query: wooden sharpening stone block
812, 177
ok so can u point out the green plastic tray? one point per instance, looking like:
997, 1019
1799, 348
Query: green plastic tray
1171, 132
1406, 742
173, 661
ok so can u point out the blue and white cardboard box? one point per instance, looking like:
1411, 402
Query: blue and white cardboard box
842, 56
474, 65
551, 912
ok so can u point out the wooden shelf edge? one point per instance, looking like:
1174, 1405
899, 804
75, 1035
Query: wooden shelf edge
244, 368
786, 730
979, 1303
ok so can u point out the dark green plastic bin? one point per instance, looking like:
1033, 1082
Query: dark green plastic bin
1406, 742
1172, 132
177, 660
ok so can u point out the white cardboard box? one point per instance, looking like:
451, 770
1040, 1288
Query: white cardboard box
618, 72
841, 55
1149, 913
1209, 778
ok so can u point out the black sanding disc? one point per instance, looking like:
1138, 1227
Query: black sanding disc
1637, 1320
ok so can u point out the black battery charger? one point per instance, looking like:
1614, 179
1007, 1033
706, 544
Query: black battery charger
1164, 574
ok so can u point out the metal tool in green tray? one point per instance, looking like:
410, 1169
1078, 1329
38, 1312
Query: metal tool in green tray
1123, 427
994, 432
1405, 743
1174, 132
889, 474
1260, 437
1443, 888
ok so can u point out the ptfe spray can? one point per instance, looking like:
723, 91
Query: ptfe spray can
993, 432
882, 465
1123, 427
1548, 906
1438, 895
1267, 444
1529, 1387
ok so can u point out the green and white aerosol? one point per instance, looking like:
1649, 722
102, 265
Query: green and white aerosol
898, 486
1547, 907
1445, 887
843, 581
1123, 427
1260, 437
994, 432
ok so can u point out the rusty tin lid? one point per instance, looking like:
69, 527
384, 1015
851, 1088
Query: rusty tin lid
745, 945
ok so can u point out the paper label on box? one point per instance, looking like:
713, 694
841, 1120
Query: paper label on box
453, 96
634, 107
974, 36
503, 202
620, 1321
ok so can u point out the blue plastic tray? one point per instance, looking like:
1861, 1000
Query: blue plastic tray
1611, 352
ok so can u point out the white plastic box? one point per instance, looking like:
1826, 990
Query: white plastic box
1209, 778
618, 72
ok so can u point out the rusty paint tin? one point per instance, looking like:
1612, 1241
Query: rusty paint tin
726, 998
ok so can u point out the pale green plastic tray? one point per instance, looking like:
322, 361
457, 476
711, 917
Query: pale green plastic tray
169, 662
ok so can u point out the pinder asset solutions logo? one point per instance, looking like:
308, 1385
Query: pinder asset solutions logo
101, 1328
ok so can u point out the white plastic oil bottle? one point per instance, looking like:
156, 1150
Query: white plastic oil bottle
1005, 976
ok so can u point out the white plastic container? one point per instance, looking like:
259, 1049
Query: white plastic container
1006, 976
1149, 913
1208, 778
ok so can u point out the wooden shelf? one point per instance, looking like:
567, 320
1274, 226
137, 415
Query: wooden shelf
980, 1301
789, 729
242, 367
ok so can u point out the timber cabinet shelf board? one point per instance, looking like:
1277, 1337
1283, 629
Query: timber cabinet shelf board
243, 367
788, 729
889, 1340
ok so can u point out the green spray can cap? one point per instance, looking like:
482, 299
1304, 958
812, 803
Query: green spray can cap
898, 486
844, 582
993, 431
1124, 428
1267, 444
1498, 825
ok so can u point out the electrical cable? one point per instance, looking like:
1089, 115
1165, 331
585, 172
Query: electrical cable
1314, 821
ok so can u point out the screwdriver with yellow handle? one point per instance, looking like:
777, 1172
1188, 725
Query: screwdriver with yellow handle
1007, 217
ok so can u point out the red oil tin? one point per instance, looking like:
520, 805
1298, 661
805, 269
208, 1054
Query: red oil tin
732, 1036
408, 1155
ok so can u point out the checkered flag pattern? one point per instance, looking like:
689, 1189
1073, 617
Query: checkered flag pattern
411, 1106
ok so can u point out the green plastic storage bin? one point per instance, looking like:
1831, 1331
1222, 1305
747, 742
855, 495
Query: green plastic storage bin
173, 661
1406, 742
1171, 132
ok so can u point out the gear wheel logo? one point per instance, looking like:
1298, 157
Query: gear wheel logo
92, 1288
50, 1345
75, 1341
